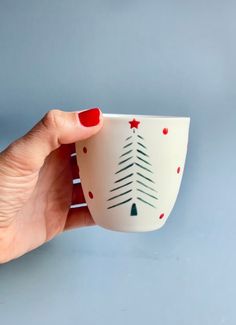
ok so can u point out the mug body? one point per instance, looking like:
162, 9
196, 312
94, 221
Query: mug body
132, 169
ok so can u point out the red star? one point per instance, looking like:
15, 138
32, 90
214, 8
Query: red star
134, 124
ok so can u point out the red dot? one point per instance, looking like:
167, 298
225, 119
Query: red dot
165, 131
90, 195
178, 170
85, 150
161, 216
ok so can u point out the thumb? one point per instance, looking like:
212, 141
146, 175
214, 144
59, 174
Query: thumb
27, 154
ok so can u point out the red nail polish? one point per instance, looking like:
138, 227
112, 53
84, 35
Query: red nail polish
91, 117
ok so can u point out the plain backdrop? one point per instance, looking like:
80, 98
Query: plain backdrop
145, 57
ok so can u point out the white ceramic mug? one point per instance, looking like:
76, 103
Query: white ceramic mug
132, 169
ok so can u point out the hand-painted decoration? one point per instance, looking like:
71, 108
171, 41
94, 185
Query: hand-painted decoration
134, 182
165, 131
161, 216
90, 194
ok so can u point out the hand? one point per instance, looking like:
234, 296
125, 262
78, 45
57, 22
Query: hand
36, 188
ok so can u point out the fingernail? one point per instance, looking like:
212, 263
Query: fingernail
91, 117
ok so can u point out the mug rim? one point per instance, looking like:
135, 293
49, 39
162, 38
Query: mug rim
111, 115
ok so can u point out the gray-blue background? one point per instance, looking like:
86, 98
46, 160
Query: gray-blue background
149, 57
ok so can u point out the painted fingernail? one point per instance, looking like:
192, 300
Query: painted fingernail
91, 117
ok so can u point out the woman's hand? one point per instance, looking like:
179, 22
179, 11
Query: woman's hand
36, 188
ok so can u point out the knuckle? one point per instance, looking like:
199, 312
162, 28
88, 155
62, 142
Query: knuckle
52, 119
10, 153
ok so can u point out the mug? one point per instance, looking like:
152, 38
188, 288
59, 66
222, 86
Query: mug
131, 170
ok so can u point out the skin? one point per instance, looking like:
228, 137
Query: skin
36, 188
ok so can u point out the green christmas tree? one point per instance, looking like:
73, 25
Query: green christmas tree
134, 183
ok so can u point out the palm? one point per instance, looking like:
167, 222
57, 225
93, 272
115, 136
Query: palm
47, 196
